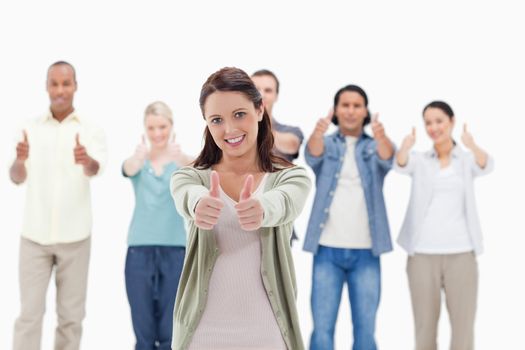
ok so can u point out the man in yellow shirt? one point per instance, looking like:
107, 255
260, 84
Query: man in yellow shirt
56, 157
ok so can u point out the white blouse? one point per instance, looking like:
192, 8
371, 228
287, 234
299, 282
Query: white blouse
424, 168
444, 229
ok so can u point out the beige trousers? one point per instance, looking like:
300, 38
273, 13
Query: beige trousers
457, 276
36, 264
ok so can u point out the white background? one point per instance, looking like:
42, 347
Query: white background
403, 53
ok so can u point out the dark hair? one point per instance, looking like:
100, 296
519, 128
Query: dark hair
266, 72
351, 88
64, 63
443, 106
235, 79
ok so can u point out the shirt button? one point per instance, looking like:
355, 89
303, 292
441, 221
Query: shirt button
331, 193
150, 171
270, 294
326, 210
342, 159
321, 226
265, 273
336, 175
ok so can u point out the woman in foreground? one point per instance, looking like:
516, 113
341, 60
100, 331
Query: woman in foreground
237, 289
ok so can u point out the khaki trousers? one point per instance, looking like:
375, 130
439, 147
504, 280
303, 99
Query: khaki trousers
36, 264
457, 276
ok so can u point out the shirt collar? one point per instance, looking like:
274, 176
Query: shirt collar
341, 136
73, 116
433, 154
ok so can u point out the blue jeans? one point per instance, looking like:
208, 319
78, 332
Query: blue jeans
331, 269
152, 279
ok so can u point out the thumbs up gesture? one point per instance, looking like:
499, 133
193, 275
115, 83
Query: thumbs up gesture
378, 130
385, 148
174, 150
90, 165
141, 152
249, 209
467, 139
409, 141
323, 124
209, 207
22, 149
81, 156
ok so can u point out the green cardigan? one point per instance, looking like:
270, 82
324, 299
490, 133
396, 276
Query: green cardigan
283, 199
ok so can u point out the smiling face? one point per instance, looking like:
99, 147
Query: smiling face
232, 120
438, 125
158, 130
351, 113
61, 86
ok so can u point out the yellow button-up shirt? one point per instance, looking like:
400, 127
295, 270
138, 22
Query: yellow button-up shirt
58, 201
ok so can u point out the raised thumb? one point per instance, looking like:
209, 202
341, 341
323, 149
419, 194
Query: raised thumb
246, 191
214, 184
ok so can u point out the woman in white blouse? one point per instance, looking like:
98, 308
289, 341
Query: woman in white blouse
441, 231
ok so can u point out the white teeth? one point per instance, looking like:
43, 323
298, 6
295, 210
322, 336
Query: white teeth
235, 140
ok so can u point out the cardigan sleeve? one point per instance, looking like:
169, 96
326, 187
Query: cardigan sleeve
284, 202
187, 189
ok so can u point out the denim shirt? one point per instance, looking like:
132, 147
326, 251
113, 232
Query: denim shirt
372, 170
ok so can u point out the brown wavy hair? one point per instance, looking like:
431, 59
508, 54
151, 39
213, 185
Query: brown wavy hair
235, 79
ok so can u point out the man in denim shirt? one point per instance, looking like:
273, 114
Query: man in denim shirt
348, 227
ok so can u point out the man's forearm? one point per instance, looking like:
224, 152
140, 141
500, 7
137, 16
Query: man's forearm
385, 148
286, 143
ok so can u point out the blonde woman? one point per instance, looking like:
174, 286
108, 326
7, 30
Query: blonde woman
157, 236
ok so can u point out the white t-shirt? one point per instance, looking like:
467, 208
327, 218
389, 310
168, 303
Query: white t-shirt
444, 229
347, 225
